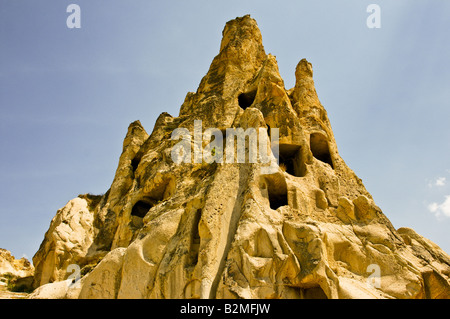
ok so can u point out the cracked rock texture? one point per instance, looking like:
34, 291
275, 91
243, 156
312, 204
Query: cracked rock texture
14, 267
15, 274
308, 229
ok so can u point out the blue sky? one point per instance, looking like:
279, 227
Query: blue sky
67, 96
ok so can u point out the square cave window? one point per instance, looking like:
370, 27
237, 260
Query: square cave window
320, 149
291, 159
275, 189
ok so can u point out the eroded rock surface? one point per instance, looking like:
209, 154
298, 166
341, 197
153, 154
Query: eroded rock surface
309, 229
15, 274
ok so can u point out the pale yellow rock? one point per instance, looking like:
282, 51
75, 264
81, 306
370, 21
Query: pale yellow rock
66, 242
58, 290
16, 276
308, 229
103, 282
15, 267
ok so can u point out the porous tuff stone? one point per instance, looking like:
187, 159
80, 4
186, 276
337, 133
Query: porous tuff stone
10, 266
227, 230
15, 274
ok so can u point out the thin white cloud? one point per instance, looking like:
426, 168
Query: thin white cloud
440, 181
433, 207
442, 209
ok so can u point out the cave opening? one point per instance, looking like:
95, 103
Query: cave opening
291, 159
277, 200
135, 161
134, 164
275, 189
195, 239
312, 293
246, 99
320, 148
140, 209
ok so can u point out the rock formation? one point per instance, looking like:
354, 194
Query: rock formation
15, 267
15, 274
308, 229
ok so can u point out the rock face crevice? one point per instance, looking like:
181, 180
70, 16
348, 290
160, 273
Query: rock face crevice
195, 229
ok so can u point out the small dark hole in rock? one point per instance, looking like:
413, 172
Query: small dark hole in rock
291, 158
135, 163
140, 209
246, 99
278, 200
320, 149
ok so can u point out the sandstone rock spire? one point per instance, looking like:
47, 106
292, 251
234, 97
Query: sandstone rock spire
240, 58
309, 229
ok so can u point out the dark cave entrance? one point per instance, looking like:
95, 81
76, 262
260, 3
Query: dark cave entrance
275, 189
246, 99
320, 149
291, 158
140, 209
